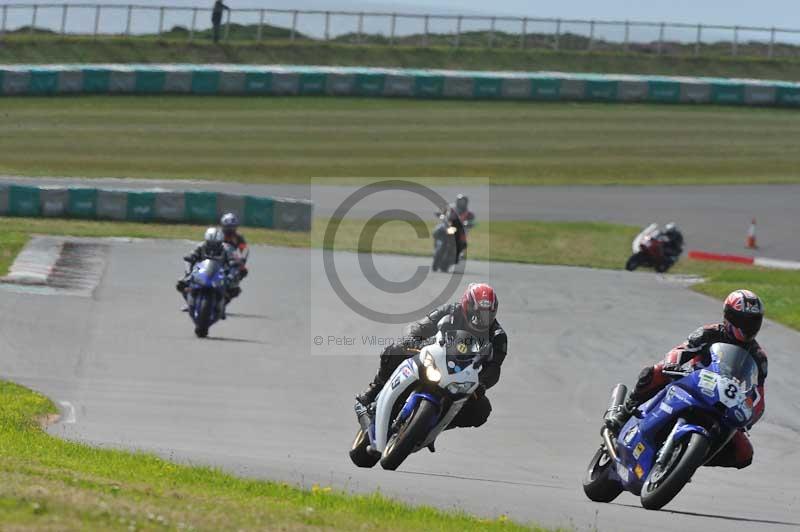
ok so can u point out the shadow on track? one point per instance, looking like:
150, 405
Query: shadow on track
490, 480
239, 340
251, 316
717, 516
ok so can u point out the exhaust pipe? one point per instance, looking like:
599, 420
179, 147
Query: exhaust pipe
618, 395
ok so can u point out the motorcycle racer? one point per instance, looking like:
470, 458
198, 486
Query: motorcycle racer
743, 313
212, 248
475, 313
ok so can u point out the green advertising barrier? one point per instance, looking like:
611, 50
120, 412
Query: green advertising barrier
727, 93
369, 84
487, 88
24, 201
170, 206
96, 80
545, 89
259, 212
43, 82
82, 203
141, 206
382, 82
201, 207
205, 81
312, 83
429, 86
150, 81
258, 83
664, 91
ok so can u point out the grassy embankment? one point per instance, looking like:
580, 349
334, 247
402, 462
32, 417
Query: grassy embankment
51, 484
174, 47
265, 140
595, 245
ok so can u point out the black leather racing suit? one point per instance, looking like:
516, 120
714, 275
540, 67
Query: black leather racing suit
476, 411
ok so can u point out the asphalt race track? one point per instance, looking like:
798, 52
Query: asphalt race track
712, 218
259, 398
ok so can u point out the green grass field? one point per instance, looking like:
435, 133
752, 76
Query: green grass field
261, 140
46, 49
589, 244
51, 484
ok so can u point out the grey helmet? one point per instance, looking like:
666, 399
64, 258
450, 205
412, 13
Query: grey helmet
229, 223
462, 202
214, 239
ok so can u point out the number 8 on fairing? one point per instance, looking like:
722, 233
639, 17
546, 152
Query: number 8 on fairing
730, 391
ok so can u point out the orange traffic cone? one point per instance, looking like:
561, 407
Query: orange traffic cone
751, 236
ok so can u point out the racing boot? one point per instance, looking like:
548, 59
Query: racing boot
616, 417
368, 396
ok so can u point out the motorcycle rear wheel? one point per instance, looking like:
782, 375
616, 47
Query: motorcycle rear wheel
203, 318
411, 434
597, 484
359, 454
663, 484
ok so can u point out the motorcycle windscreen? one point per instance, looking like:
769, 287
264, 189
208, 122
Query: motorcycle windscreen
735, 362
462, 348
205, 271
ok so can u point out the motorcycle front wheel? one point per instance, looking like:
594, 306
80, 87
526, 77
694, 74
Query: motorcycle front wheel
411, 434
665, 482
634, 261
598, 484
203, 321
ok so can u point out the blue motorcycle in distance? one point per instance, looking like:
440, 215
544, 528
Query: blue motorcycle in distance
208, 282
683, 427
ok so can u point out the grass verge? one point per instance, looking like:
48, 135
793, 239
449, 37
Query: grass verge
53, 484
44, 49
267, 140
588, 244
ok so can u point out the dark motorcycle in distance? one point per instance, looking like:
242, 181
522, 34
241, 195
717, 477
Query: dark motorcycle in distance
650, 250
445, 244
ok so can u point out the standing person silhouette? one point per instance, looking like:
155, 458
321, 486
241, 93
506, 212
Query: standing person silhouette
216, 17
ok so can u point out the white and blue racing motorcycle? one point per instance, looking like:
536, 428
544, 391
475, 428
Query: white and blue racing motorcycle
420, 400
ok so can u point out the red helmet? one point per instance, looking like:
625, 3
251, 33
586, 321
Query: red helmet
479, 305
743, 313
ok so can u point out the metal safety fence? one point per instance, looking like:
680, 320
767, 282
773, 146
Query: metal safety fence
391, 29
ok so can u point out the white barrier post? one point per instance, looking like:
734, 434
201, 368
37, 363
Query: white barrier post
458, 31
260, 25
626, 44
391, 32
735, 43
294, 24
591, 35
491, 32
360, 35
3, 24
194, 23
524, 35
160, 21
425, 37
327, 25
660, 38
